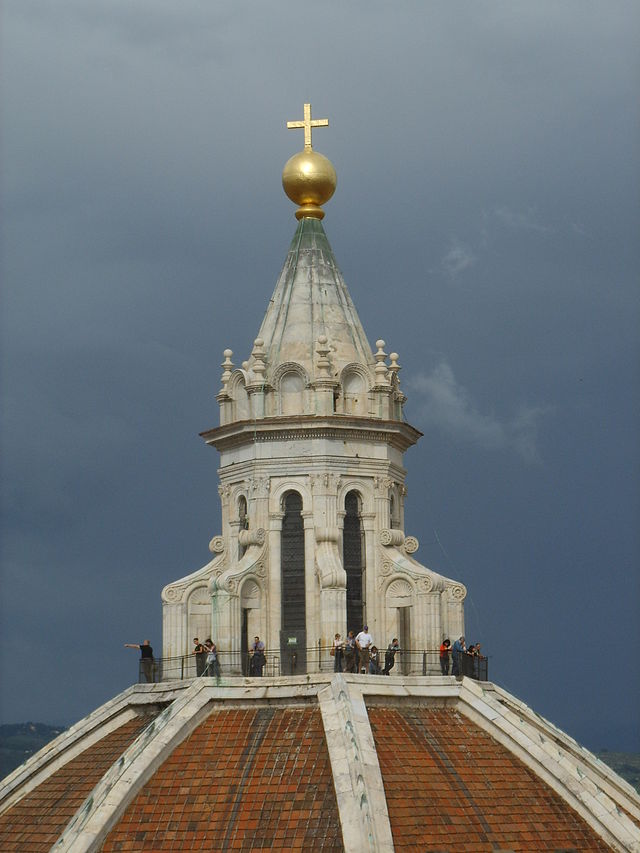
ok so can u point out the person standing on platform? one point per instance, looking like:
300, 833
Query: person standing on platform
201, 656
146, 658
444, 656
213, 664
374, 661
390, 656
364, 641
338, 647
457, 651
350, 664
258, 659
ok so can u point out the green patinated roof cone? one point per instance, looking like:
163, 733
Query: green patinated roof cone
311, 299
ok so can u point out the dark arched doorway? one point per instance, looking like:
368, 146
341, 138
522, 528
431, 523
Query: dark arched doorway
352, 555
293, 638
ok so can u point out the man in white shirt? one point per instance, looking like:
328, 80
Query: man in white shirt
364, 641
258, 660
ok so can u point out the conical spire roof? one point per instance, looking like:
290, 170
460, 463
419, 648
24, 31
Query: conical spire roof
311, 300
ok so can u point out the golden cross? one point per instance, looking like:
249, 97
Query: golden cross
307, 124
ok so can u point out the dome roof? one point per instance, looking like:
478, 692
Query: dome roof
340, 762
311, 300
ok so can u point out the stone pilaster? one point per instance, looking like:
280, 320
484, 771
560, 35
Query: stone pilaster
311, 588
274, 580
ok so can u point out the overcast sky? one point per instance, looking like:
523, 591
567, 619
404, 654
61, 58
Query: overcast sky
486, 222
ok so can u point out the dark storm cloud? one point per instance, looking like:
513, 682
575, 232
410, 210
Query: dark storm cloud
485, 220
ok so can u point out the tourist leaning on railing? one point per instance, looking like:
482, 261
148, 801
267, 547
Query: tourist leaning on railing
146, 658
212, 669
337, 650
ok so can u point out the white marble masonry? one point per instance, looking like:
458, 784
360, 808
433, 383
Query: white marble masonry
316, 411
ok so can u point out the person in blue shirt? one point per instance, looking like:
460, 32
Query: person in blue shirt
458, 649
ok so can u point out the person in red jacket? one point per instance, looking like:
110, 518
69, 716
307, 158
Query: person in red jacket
444, 657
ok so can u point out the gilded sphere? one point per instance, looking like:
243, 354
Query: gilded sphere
309, 178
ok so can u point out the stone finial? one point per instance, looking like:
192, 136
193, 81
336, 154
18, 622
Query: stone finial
227, 367
381, 367
259, 365
323, 363
394, 368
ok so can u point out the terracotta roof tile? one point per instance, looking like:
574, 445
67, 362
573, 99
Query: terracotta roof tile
36, 821
450, 786
245, 779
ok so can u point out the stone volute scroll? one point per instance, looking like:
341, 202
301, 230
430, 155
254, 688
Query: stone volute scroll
329, 567
457, 591
392, 537
251, 537
172, 593
216, 546
410, 545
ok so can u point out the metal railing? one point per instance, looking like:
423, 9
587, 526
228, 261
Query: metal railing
318, 657
410, 662
474, 666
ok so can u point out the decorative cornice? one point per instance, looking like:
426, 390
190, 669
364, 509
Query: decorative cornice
303, 427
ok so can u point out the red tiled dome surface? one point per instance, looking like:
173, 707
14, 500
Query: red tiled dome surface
248, 766
36, 821
450, 786
245, 779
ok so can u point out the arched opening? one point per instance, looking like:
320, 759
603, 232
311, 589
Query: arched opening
355, 396
404, 637
240, 398
250, 606
353, 561
394, 511
400, 600
291, 393
293, 621
243, 523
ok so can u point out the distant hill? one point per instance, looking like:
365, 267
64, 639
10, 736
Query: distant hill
626, 764
21, 740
